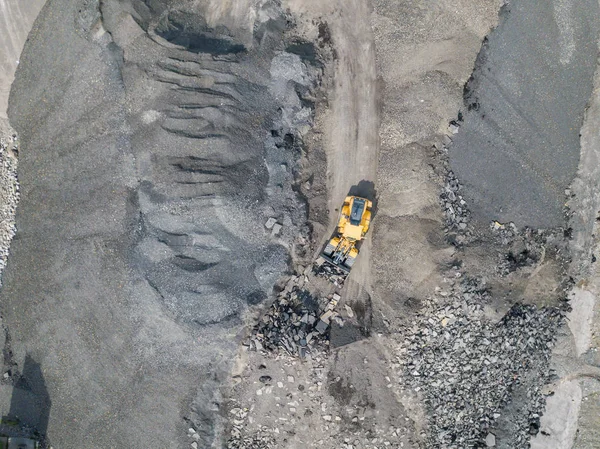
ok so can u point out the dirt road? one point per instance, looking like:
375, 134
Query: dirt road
353, 128
351, 124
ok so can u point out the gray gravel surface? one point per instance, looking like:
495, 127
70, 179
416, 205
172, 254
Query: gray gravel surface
148, 166
518, 149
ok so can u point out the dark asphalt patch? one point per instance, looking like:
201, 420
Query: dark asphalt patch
518, 149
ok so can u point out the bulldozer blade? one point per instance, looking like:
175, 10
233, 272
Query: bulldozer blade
331, 261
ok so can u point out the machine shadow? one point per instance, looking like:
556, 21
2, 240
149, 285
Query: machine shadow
30, 402
366, 189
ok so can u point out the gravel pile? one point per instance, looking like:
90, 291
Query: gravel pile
457, 217
297, 322
505, 233
457, 214
238, 417
290, 324
9, 194
254, 442
528, 247
466, 367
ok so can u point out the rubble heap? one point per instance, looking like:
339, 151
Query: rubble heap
527, 247
457, 217
505, 233
296, 322
455, 207
238, 441
466, 366
255, 442
330, 272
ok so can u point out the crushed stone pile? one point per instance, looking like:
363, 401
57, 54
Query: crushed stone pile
330, 272
466, 366
531, 248
249, 442
457, 215
9, 194
505, 233
296, 322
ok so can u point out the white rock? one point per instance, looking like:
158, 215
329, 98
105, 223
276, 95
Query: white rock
270, 222
349, 311
276, 229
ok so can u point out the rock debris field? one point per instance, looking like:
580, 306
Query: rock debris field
467, 366
479, 375
469, 370
297, 322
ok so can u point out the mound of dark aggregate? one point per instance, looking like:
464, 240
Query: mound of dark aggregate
291, 324
156, 140
253, 442
467, 367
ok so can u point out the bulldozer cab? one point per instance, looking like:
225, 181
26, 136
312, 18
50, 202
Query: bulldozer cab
358, 207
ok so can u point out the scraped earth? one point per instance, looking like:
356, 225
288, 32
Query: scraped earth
182, 166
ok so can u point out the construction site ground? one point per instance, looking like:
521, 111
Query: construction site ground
351, 396
138, 307
355, 396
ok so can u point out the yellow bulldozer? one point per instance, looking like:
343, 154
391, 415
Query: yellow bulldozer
352, 226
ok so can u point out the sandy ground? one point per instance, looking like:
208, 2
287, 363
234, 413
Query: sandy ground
16, 19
